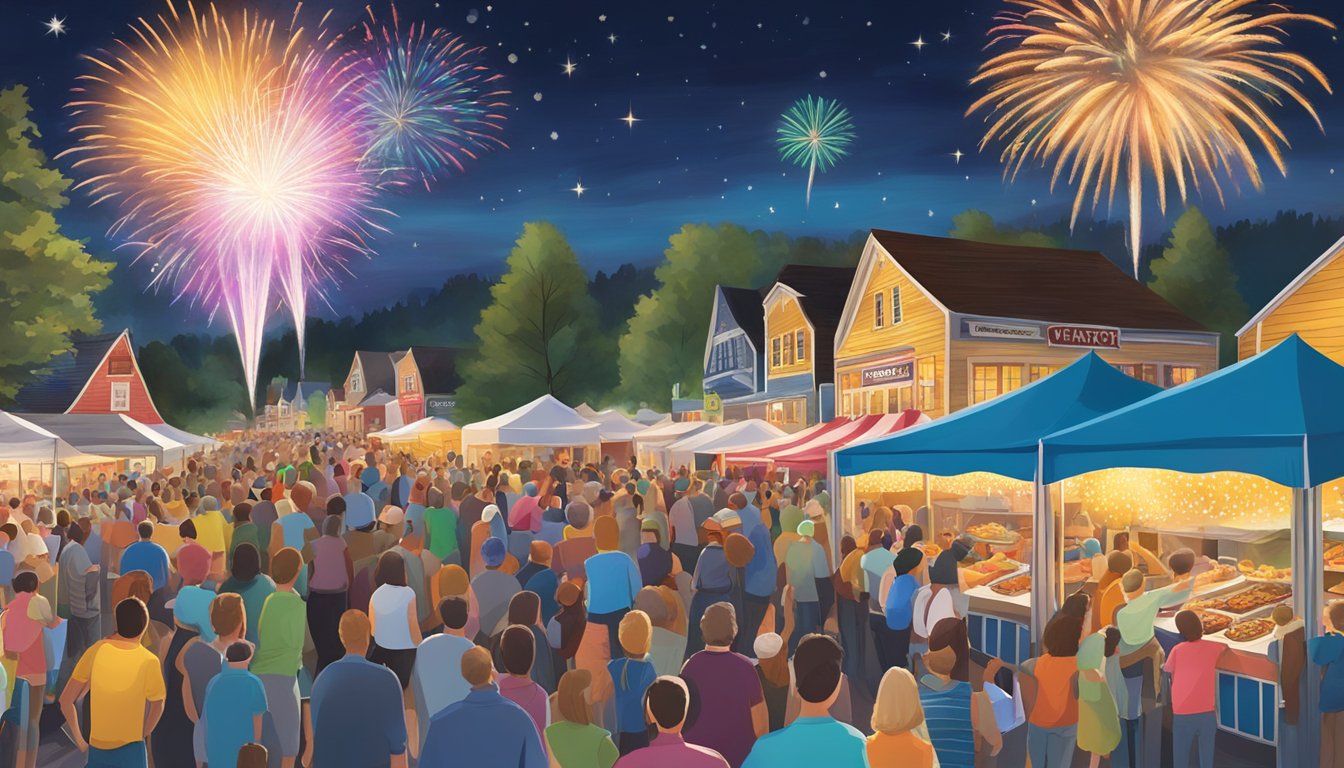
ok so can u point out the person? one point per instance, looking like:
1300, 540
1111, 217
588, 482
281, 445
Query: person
235, 702
518, 650
395, 626
898, 722
1098, 718
440, 527
253, 755
898, 606
631, 677
1193, 666
244, 530
815, 738
493, 588
655, 561
577, 544
251, 584
685, 518
728, 713
202, 660
23, 623
125, 686
1327, 651
1110, 593
804, 565
613, 580
280, 632
356, 705
874, 563
772, 667
574, 741
544, 582
484, 730
148, 556
173, 744
1052, 725
538, 560
957, 717
330, 575
436, 680
711, 583
667, 647
1288, 651
1141, 658
666, 706
761, 572
81, 589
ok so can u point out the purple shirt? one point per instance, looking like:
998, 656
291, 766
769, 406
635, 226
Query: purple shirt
669, 750
528, 695
724, 687
329, 564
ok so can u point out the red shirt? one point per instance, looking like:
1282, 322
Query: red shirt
1193, 666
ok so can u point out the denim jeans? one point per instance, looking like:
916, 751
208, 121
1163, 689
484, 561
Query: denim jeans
1193, 730
1051, 747
131, 755
807, 619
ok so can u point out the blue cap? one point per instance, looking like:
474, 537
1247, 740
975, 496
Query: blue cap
493, 551
358, 510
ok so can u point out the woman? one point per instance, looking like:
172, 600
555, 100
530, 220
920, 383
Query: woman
899, 734
451, 581
772, 667
1098, 718
937, 600
631, 677
525, 611
712, 582
574, 741
668, 648
392, 618
330, 575
525, 513
247, 581
851, 613
1052, 724
23, 621
590, 650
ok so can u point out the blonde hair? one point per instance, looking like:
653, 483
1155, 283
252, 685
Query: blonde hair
570, 699
477, 666
635, 634
897, 709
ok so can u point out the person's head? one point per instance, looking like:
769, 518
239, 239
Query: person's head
1076, 605
737, 501
391, 569
145, 529
253, 755
24, 582
1181, 562
737, 549
1334, 616
227, 617
477, 668
131, 618
817, 668
571, 697
332, 525
453, 613
1132, 582
76, 533
285, 566
1119, 562
951, 633
193, 564
1112, 643
578, 514
354, 631
246, 562
607, 534
635, 633
517, 649
1189, 626
1121, 542
539, 552
1282, 614
1062, 634
666, 703
525, 609
907, 560
494, 552
718, 625
186, 529
897, 709
238, 654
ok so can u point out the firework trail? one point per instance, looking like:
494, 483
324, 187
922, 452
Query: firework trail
815, 134
1111, 89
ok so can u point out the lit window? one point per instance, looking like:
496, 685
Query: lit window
775, 353
788, 348
990, 381
878, 320
356, 382
1181, 374
801, 344
121, 396
895, 304
927, 384
120, 365
1038, 372
408, 384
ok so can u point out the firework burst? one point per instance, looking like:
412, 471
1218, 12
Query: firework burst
814, 134
1110, 89
428, 103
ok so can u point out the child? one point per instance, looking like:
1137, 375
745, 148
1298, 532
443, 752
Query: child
1193, 665
632, 676
1328, 651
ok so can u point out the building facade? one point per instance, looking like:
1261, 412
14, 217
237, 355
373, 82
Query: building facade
939, 324
802, 310
99, 375
734, 369
425, 377
1312, 306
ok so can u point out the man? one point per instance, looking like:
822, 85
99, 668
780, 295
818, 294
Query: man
731, 706
280, 637
815, 738
666, 705
436, 680
1110, 593
804, 564
1193, 666
79, 585
761, 572
235, 702
1328, 651
568, 556
148, 556
484, 730
357, 706
213, 531
494, 588
538, 560
613, 580
126, 689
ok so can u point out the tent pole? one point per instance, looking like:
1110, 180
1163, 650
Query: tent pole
1043, 591
1308, 587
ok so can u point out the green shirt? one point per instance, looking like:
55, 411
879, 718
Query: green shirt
1135, 618
804, 563
441, 525
574, 745
280, 634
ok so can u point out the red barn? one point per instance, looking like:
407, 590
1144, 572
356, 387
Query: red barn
101, 375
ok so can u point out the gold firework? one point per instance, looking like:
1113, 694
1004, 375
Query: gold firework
1113, 88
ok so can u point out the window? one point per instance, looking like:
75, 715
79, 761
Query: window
899, 399
121, 396
927, 384
408, 384
775, 354
1180, 374
800, 342
895, 304
878, 320
787, 342
990, 381
1038, 372
1141, 371
356, 382
120, 365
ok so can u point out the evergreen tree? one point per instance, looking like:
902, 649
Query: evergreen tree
1196, 275
980, 227
48, 280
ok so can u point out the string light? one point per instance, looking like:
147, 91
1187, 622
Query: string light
1161, 498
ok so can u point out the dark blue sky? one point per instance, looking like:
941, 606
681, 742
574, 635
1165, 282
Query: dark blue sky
707, 82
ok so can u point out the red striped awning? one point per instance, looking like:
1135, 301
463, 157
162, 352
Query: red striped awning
808, 450
760, 453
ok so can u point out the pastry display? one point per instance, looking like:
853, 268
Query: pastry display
991, 532
1264, 572
1219, 573
1014, 586
996, 563
1208, 604
1249, 629
1257, 597
1213, 622
1334, 554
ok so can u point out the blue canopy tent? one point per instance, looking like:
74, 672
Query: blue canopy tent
1002, 436
1288, 428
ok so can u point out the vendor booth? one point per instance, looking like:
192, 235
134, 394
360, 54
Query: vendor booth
651, 443
617, 433
975, 473
427, 435
703, 449
32, 458
544, 429
117, 436
196, 443
1243, 467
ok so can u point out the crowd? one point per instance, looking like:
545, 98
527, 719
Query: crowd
314, 599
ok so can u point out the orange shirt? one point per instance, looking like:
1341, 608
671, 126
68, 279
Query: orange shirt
1112, 600
1107, 579
1057, 692
904, 749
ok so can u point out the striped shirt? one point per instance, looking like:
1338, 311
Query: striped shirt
947, 710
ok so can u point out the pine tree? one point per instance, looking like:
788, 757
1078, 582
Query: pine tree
1196, 275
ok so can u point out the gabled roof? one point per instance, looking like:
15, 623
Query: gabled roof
745, 304
438, 368
1320, 263
305, 389
57, 390
379, 369
378, 397
821, 292
337, 394
1047, 284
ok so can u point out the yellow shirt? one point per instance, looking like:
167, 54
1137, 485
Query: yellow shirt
122, 681
212, 531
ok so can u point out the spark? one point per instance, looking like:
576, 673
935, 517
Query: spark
55, 26
958, 155
815, 133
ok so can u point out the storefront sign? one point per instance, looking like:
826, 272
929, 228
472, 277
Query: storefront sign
1000, 331
1086, 336
441, 406
891, 373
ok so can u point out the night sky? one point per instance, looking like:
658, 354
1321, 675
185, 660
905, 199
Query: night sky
706, 83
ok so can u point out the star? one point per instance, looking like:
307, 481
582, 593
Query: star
947, 36
958, 155
612, 38
578, 189
55, 26
919, 43
569, 67
630, 119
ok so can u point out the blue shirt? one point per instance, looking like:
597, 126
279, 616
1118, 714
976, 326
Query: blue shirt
437, 675
1328, 652
762, 570
192, 607
233, 699
613, 582
358, 719
149, 557
900, 607
808, 742
484, 730
631, 678
947, 711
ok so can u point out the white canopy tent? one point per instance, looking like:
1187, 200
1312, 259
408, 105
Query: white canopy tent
425, 426
542, 423
719, 440
194, 441
23, 443
614, 427
112, 435
649, 443
649, 417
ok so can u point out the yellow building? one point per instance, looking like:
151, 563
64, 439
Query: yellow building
802, 310
1312, 306
939, 324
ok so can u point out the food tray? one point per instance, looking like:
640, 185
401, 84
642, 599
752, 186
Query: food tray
1266, 625
1022, 590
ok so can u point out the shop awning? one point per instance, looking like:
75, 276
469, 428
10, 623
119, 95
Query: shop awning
114, 435
813, 455
720, 439
1275, 415
1002, 435
763, 453
429, 425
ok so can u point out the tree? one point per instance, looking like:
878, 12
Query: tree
540, 334
1196, 275
48, 279
317, 410
979, 226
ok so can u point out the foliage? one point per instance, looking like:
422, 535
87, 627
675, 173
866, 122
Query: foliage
1196, 275
617, 293
540, 335
317, 409
195, 381
980, 227
47, 279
